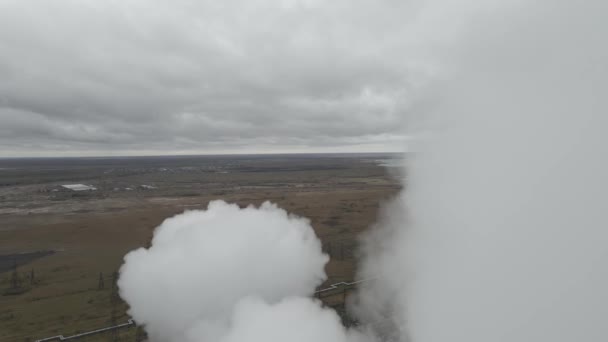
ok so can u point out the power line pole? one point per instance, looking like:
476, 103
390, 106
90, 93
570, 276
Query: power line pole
15, 281
114, 300
140, 335
100, 282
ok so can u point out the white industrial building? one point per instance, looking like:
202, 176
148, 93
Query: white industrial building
79, 187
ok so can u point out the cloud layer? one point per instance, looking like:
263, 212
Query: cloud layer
203, 76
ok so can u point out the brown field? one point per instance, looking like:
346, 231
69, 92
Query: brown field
91, 232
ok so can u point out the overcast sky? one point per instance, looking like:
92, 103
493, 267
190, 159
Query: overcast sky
89, 77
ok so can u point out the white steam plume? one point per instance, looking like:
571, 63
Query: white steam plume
504, 234
230, 274
507, 232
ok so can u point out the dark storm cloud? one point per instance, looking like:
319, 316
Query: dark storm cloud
91, 77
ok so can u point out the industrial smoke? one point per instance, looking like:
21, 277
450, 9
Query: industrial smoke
501, 232
228, 274
504, 236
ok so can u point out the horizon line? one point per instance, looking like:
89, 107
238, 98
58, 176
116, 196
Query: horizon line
201, 155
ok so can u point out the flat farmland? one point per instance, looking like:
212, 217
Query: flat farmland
67, 244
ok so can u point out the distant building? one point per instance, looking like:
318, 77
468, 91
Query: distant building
79, 187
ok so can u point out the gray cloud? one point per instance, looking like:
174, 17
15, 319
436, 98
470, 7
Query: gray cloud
90, 77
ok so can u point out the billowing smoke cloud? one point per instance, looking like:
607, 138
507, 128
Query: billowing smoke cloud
378, 303
506, 230
230, 274
501, 233
293, 319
